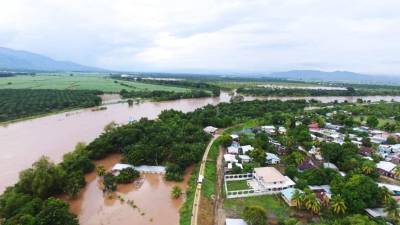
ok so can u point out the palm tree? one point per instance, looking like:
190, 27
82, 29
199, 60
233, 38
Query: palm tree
397, 171
297, 198
386, 195
368, 167
311, 203
176, 192
392, 210
325, 200
338, 204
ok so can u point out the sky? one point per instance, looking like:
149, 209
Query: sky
206, 36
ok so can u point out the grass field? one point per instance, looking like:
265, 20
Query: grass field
237, 185
79, 82
273, 205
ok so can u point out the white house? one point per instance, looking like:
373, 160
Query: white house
386, 168
329, 165
229, 221
230, 158
271, 180
282, 130
210, 129
272, 158
234, 137
245, 158
269, 129
246, 148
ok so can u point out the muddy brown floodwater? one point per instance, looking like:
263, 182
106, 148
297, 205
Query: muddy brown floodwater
150, 195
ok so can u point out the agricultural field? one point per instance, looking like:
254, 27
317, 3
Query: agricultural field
80, 82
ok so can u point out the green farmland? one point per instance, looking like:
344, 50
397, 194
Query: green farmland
80, 82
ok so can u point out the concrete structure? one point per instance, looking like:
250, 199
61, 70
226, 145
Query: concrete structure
287, 196
229, 221
210, 129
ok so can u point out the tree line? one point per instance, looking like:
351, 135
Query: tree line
18, 103
263, 91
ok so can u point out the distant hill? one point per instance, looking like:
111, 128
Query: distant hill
22, 60
336, 76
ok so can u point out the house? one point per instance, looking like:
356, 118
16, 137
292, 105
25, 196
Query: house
230, 158
313, 126
366, 151
332, 126
120, 166
271, 158
246, 148
376, 212
287, 195
229, 221
234, 148
271, 180
235, 137
394, 189
282, 130
210, 129
307, 164
377, 139
245, 158
329, 165
268, 129
321, 191
386, 168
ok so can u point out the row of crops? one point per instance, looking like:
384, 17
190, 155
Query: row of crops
18, 103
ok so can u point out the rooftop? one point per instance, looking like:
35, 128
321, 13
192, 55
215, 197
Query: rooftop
269, 174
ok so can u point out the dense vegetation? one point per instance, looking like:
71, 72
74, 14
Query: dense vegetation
164, 95
175, 140
15, 104
262, 91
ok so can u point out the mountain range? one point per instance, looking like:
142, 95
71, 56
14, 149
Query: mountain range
23, 60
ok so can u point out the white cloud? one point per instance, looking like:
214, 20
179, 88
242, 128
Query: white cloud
209, 35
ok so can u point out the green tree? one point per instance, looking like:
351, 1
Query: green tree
338, 204
258, 156
254, 215
43, 179
109, 183
176, 192
368, 167
74, 182
392, 210
55, 212
100, 170
298, 198
372, 121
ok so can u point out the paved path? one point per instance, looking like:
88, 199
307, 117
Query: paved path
196, 202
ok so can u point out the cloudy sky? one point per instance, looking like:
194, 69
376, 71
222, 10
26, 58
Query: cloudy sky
243, 36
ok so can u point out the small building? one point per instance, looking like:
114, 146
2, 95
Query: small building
229, 221
246, 148
210, 129
282, 130
271, 158
235, 137
245, 158
287, 195
386, 168
313, 126
376, 212
329, 165
307, 164
230, 158
366, 151
268, 129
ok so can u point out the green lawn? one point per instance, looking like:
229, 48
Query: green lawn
79, 82
272, 204
237, 185
210, 171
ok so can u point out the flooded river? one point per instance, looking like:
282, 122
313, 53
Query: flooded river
22, 143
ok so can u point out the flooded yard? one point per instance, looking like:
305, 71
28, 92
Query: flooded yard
147, 201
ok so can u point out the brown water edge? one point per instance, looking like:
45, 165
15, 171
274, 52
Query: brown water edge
151, 194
